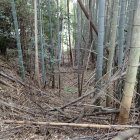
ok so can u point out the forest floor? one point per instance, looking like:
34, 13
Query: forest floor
20, 101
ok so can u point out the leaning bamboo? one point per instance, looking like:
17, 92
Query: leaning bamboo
87, 16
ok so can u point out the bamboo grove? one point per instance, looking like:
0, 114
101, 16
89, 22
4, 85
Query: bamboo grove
101, 36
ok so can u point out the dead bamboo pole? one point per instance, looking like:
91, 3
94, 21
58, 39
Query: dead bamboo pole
118, 127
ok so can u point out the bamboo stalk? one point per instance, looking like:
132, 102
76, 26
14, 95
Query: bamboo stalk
20, 57
37, 77
131, 74
120, 127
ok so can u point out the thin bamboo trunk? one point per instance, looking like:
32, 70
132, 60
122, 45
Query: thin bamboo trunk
59, 47
121, 39
101, 28
69, 33
21, 66
74, 35
121, 32
78, 47
37, 77
51, 41
50, 26
42, 47
99, 65
113, 36
130, 22
108, 20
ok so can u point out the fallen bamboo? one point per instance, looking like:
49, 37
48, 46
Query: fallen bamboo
6, 84
22, 83
75, 100
118, 127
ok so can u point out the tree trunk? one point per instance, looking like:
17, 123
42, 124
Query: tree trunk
69, 34
130, 22
36, 44
21, 66
108, 20
113, 35
78, 47
121, 32
99, 65
42, 46
132, 69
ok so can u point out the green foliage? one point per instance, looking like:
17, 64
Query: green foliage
25, 21
6, 20
4, 24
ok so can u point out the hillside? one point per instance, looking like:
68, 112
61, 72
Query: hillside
25, 101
